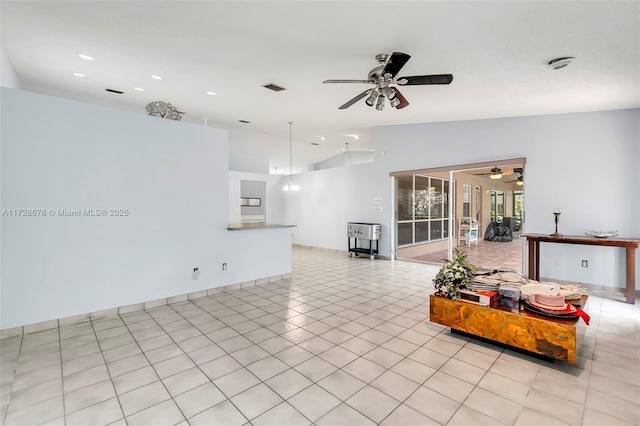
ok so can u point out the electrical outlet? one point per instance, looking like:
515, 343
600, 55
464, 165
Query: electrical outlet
196, 274
224, 266
585, 263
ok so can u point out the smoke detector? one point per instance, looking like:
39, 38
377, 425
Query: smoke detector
558, 63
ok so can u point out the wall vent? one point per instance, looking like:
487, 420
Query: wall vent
274, 87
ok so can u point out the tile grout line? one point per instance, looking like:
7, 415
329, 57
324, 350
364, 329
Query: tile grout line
13, 380
106, 366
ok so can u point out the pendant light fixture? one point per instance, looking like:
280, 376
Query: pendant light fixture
290, 186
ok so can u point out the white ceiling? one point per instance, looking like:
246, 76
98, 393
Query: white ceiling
497, 52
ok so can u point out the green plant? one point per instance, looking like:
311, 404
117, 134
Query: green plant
455, 275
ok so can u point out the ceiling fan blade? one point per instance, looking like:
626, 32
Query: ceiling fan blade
356, 99
395, 63
426, 79
403, 101
348, 81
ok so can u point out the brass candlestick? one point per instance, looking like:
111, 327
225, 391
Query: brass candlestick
556, 215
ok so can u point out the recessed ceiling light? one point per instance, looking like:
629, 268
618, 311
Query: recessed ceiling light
138, 89
77, 74
86, 57
211, 93
157, 77
322, 138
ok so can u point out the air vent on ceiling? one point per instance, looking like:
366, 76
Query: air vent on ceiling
119, 92
274, 87
560, 63
244, 121
315, 143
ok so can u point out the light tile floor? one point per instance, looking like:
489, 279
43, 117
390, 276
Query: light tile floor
346, 341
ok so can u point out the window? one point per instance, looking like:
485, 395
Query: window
518, 208
466, 200
422, 206
497, 206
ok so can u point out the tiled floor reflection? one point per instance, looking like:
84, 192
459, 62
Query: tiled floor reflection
346, 341
489, 254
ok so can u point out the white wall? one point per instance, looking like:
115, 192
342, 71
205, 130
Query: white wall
8, 76
583, 163
171, 176
328, 199
355, 157
275, 202
249, 163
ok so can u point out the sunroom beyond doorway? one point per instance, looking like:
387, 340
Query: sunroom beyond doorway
427, 226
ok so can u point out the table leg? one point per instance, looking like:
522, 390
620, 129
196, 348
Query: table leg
631, 275
534, 262
537, 260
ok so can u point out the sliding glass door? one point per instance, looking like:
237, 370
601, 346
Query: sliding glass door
422, 205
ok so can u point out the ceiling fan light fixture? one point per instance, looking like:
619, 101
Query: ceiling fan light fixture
496, 173
372, 98
394, 102
388, 92
384, 77
520, 181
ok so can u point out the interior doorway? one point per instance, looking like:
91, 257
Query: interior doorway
473, 191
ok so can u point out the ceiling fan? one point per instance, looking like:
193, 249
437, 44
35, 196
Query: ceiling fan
497, 173
519, 181
384, 77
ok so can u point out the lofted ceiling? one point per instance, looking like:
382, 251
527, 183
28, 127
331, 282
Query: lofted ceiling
497, 51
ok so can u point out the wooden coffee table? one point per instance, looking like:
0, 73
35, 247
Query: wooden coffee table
549, 337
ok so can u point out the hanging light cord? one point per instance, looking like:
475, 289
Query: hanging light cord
347, 153
290, 155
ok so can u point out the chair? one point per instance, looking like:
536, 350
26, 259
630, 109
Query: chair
468, 231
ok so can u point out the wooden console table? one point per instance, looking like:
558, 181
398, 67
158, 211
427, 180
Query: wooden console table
630, 244
542, 335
